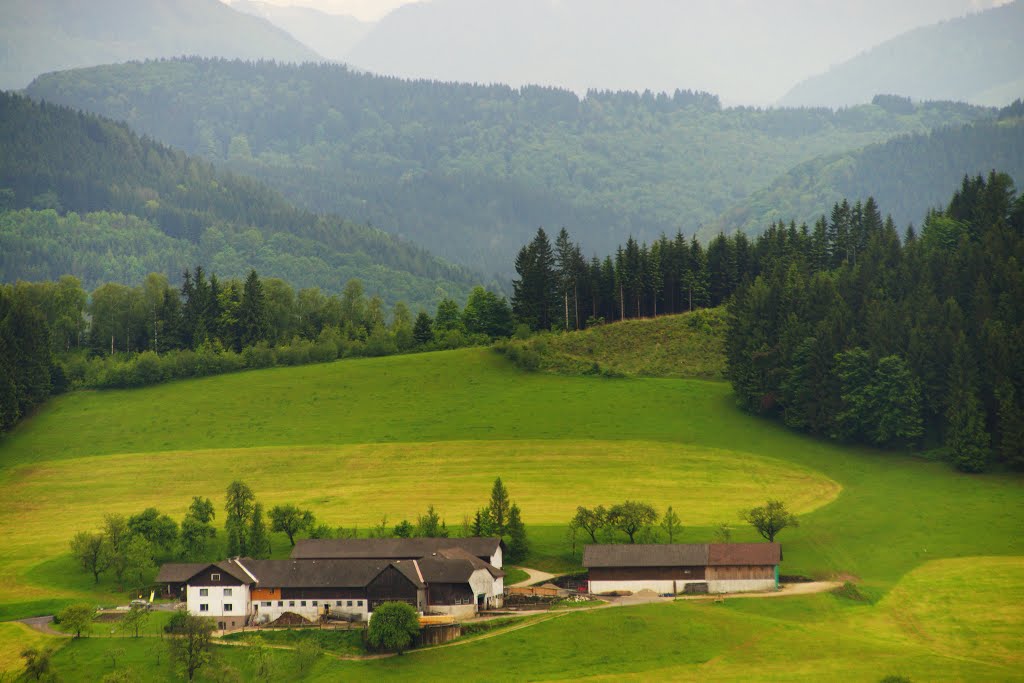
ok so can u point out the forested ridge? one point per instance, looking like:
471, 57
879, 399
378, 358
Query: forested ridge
140, 206
472, 170
908, 175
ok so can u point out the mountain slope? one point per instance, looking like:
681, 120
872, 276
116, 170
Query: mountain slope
747, 52
170, 208
48, 35
470, 172
977, 58
330, 35
907, 175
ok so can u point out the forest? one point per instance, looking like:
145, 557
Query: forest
55, 336
471, 170
844, 329
84, 196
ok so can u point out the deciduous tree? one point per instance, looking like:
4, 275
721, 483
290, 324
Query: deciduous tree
632, 517
770, 519
393, 627
290, 520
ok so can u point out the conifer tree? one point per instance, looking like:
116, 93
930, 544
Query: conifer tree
966, 438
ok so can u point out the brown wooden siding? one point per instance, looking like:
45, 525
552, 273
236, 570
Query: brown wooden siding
446, 593
647, 573
389, 585
205, 578
740, 572
322, 594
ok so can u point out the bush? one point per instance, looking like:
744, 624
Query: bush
259, 356
393, 627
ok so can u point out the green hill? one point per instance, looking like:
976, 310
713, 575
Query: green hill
977, 58
47, 35
470, 170
907, 175
140, 206
686, 345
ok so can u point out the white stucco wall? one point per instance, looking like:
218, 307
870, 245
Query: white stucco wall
215, 600
496, 558
457, 611
664, 586
310, 611
741, 585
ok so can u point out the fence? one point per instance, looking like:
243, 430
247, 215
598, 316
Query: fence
535, 591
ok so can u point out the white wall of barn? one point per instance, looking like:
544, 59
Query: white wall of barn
216, 601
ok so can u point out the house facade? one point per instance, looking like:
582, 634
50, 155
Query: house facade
669, 569
447, 579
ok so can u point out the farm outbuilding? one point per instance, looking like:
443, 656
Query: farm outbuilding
678, 568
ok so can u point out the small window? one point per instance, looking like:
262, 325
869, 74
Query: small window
314, 603
214, 577
204, 607
227, 606
358, 603
349, 603
291, 603
303, 603
227, 592
203, 592
280, 603
337, 603
266, 604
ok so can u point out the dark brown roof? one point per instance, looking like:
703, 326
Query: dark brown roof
645, 555
720, 554
682, 555
179, 572
325, 573
389, 548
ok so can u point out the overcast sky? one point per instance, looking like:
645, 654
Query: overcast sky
371, 10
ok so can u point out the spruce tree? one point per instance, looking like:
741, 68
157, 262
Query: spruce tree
518, 546
252, 313
258, 538
966, 438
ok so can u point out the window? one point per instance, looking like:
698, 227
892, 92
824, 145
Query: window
227, 592
214, 577
349, 603
337, 603
291, 603
203, 592
227, 606
303, 603
280, 603
204, 607
266, 604
358, 603
314, 603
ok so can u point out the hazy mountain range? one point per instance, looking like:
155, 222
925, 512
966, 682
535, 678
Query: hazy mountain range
978, 58
330, 35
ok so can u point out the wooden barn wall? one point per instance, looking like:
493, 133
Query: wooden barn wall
445, 593
740, 573
322, 593
205, 578
391, 584
642, 573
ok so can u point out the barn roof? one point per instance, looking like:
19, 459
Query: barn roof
682, 555
325, 573
720, 554
646, 555
389, 548
454, 565
179, 572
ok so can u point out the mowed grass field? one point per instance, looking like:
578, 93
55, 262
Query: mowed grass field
355, 440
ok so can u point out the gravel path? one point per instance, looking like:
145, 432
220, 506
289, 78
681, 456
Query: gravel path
536, 576
42, 624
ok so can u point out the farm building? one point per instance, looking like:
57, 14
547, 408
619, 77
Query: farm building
679, 568
489, 550
446, 579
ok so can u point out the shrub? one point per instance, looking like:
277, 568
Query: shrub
393, 626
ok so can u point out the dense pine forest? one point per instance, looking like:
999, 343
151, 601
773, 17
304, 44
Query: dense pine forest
84, 196
472, 170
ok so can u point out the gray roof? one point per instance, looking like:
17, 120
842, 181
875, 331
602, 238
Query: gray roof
325, 573
179, 572
389, 548
682, 555
646, 555
454, 565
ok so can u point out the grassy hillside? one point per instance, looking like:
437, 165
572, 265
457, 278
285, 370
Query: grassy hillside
356, 439
687, 345
472, 170
976, 58
48, 35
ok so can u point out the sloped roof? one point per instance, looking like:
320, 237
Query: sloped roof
646, 555
389, 548
325, 573
179, 572
721, 554
474, 561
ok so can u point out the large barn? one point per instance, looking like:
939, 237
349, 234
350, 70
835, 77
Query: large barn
683, 568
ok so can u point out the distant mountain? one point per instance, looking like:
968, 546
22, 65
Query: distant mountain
468, 171
38, 36
747, 52
977, 58
330, 35
126, 206
907, 175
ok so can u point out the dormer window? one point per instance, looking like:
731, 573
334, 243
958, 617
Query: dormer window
214, 577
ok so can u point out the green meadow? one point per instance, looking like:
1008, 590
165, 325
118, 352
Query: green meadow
937, 554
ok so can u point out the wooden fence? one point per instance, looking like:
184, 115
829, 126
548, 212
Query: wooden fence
539, 591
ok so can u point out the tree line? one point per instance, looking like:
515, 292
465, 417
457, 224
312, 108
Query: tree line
55, 336
851, 333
